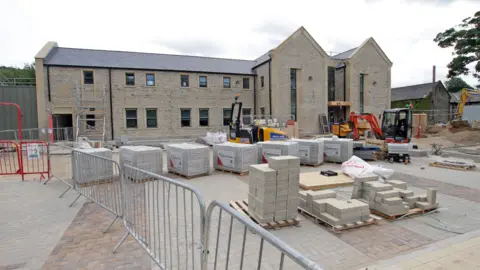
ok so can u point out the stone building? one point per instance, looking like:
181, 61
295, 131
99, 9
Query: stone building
161, 95
430, 98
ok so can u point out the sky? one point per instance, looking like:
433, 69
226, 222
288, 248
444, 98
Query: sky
245, 29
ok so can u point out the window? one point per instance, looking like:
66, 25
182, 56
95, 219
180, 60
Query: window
203, 81
246, 83
262, 112
185, 114
293, 92
226, 116
151, 118
247, 117
362, 80
203, 117
87, 77
90, 123
184, 81
331, 84
226, 82
131, 118
129, 78
150, 77
262, 81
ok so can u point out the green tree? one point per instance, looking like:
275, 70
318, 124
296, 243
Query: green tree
27, 71
465, 40
456, 84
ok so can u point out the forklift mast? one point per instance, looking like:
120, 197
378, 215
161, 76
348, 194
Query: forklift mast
235, 126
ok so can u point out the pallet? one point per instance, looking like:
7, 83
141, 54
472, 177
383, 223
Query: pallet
188, 177
232, 172
451, 166
242, 207
338, 228
411, 213
311, 165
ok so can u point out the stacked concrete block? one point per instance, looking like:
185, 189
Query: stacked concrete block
275, 149
87, 169
188, 159
429, 201
340, 212
398, 184
310, 151
143, 157
337, 150
358, 185
235, 157
273, 189
308, 197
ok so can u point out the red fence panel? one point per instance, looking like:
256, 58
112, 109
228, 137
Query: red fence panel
10, 158
35, 158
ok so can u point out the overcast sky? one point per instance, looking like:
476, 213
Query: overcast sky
245, 29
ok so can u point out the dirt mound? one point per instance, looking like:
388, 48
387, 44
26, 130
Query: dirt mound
461, 135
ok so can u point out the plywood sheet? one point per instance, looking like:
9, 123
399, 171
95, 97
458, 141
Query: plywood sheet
316, 181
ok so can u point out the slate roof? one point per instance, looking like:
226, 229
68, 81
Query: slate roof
61, 56
417, 91
344, 55
262, 59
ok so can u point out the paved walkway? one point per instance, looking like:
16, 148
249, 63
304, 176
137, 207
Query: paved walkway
462, 252
32, 221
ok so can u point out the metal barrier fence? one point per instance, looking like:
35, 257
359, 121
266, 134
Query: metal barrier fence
166, 217
232, 249
59, 134
10, 160
25, 158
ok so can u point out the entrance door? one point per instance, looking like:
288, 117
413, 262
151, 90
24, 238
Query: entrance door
62, 127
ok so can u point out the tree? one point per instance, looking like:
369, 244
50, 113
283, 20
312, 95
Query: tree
456, 84
465, 40
28, 71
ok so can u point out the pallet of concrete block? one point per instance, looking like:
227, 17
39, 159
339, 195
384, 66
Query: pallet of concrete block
234, 157
337, 149
273, 193
323, 206
87, 170
391, 199
188, 160
276, 148
310, 151
146, 158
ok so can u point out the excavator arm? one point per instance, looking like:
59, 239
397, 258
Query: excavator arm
371, 119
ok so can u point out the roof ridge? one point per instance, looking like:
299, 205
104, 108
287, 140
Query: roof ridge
413, 85
184, 55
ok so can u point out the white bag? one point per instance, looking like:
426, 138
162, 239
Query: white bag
215, 138
357, 167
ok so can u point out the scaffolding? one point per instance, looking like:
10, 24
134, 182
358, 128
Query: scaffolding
91, 104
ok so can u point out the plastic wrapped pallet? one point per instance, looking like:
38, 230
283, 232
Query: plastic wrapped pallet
275, 149
143, 157
337, 150
87, 169
235, 157
188, 159
310, 151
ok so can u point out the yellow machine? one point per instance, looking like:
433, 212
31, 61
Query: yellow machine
250, 135
341, 130
464, 97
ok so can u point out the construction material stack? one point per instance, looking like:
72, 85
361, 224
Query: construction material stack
273, 189
337, 149
143, 157
87, 169
391, 198
324, 205
310, 151
273, 149
188, 159
234, 157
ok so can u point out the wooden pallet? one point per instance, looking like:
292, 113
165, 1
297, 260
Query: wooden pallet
311, 165
411, 213
242, 207
338, 228
188, 177
232, 172
452, 166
